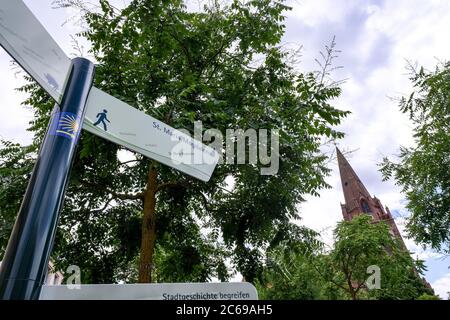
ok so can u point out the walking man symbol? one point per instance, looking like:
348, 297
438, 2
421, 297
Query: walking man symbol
101, 119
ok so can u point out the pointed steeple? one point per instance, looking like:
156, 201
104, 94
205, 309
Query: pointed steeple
351, 183
357, 198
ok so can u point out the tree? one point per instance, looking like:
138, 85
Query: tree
361, 249
428, 297
422, 171
16, 165
290, 270
136, 220
302, 269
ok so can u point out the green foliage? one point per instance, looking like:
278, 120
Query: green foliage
304, 270
360, 243
428, 297
16, 163
222, 66
291, 270
423, 170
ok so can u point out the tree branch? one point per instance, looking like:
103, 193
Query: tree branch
104, 207
328, 279
128, 196
120, 196
205, 202
129, 161
172, 184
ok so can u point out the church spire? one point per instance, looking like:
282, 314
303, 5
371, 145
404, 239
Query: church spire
352, 186
357, 199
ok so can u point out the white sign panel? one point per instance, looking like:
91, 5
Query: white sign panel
27, 41
120, 123
152, 291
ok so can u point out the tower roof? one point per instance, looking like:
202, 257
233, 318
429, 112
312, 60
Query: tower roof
352, 186
358, 200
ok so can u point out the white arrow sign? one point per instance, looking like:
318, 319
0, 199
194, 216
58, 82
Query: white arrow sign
152, 291
27, 41
120, 123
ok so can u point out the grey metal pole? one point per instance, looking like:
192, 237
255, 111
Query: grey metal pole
24, 267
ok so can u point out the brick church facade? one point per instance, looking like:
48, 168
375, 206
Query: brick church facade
359, 201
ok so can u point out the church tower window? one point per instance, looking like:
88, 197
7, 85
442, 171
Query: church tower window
365, 206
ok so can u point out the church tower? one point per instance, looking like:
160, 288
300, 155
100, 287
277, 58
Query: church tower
359, 201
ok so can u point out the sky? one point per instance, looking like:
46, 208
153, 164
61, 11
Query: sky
376, 39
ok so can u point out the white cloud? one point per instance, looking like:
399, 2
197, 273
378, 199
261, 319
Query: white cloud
13, 117
442, 286
376, 38
312, 13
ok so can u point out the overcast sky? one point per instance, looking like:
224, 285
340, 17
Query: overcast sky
376, 38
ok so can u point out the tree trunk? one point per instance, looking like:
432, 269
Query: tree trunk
351, 289
148, 228
353, 294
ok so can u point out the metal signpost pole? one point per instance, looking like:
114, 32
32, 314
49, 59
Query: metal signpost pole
24, 267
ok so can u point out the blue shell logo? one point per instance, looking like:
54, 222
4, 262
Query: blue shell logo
66, 124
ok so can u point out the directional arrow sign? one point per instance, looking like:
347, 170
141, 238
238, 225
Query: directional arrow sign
27, 41
152, 291
120, 123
